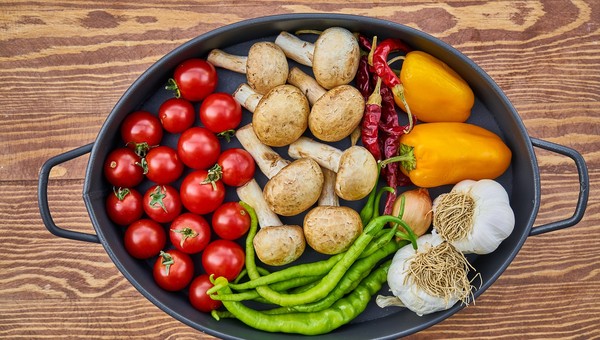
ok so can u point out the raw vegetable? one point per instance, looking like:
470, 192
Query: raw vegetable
265, 66
198, 148
230, 221
162, 203
124, 206
144, 239
275, 244
356, 169
295, 187
433, 90
223, 258
140, 131
162, 165
335, 113
122, 168
221, 114
333, 57
236, 167
173, 270
475, 216
201, 194
313, 323
417, 210
198, 297
428, 279
189, 233
331, 230
193, 79
435, 154
284, 107
176, 115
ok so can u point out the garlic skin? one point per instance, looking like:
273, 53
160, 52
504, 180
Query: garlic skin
493, 218
413, 298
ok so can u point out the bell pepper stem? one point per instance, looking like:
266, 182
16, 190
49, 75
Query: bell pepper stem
406, 158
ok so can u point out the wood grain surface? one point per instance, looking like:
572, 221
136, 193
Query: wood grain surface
64, 65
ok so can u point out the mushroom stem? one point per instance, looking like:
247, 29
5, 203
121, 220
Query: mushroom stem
268, 161
327, 156
247, 97
252, 194
295, 48
328, 196
307, 84
227, 61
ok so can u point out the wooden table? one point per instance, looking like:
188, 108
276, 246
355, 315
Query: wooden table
65, 64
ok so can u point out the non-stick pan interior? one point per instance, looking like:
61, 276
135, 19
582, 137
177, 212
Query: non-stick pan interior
492, 111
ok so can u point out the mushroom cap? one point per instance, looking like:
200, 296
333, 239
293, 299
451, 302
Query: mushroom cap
337, 113
281, 116
279, 245
331, 230
266, 66
295, 188
357, 174
336, 57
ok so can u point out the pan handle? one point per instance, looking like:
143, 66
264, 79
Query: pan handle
584, 182
43, 195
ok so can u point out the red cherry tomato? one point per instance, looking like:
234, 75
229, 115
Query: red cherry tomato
189, 233
199, 195
237, 166
198, 297
122, 168
163, 165
223, 258
124, 206
220, 112
162, 203
198, 148
230, 221
173, 270
141, 130
145, 239
176, 115
194, 79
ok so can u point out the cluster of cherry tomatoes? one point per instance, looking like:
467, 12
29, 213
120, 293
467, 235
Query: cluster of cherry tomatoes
179, 214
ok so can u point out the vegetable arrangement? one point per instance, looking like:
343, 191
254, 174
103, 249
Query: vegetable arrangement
413, 243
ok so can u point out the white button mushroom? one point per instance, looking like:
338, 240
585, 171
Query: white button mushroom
356, 169
292, 188
333, 57
279, 117
265, 66
334, 114
275, 244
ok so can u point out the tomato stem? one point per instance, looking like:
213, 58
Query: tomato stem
214, 174
172, 86
121, 193
167, 260
156, 198
186, 233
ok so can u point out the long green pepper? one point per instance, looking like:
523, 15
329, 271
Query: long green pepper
314, 323
328, 283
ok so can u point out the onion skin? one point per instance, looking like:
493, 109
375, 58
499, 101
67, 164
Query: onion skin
417, 210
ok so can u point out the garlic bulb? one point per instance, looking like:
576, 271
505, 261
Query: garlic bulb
429, 279
475, 216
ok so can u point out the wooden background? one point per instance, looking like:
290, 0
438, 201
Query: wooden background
64, 65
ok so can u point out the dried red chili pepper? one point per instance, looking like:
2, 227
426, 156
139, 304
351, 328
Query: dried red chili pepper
389, 78
363, 77
370, 123
364, 42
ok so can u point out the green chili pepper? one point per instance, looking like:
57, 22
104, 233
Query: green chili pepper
357, 272
278, 286
328, 283
314, 323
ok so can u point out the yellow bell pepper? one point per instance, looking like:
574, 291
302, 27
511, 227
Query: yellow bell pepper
435, 154
433, 91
